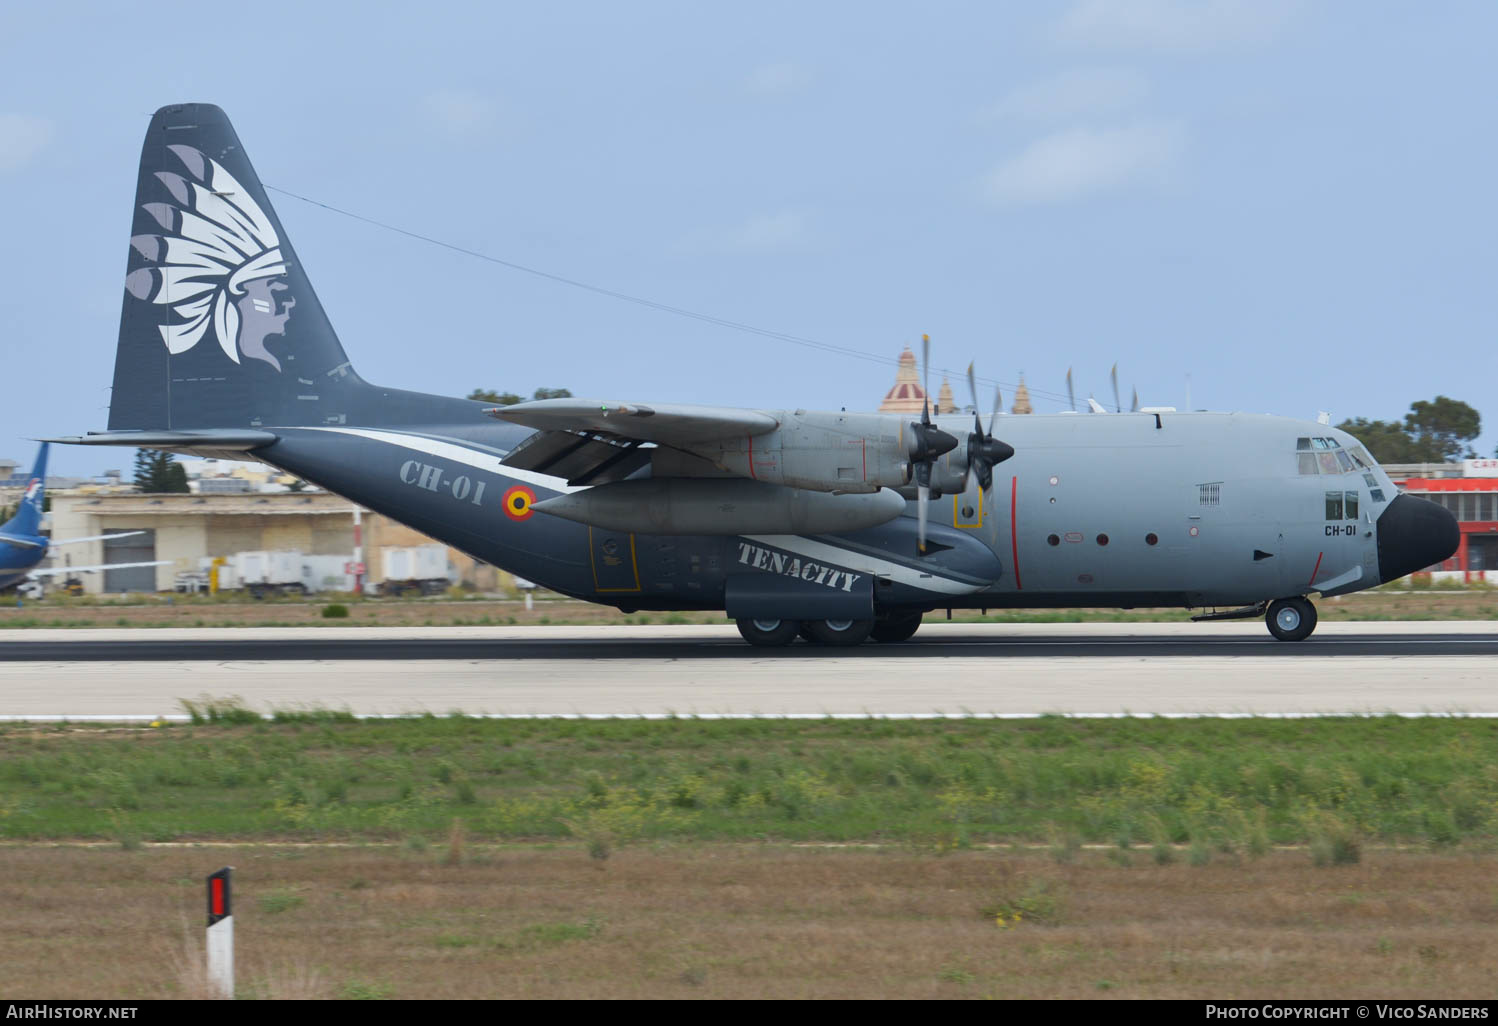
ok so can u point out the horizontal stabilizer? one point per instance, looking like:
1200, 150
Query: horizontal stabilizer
95, 537
235, 440
56, 570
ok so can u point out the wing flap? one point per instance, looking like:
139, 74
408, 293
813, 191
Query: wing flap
582, 457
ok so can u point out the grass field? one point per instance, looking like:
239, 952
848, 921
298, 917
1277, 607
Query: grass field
1477, 602
453, 857
1216, 786
713, 920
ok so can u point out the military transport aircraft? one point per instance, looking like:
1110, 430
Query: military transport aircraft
832, 526
22, 549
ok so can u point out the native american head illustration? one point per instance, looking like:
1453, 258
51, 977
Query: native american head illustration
217, 263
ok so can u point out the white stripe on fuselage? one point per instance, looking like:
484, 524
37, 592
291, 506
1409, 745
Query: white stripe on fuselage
908, 575
873, 565
459, 453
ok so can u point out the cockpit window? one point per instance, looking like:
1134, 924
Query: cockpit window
1327, 456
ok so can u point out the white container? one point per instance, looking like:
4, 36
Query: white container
274, 568
415, 563
327, 573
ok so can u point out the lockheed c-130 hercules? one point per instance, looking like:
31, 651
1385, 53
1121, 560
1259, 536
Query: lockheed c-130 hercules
833, 526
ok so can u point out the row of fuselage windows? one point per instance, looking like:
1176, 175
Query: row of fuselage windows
1326, 456
1466, 505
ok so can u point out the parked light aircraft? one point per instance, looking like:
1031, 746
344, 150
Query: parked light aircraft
834, 526
22, 548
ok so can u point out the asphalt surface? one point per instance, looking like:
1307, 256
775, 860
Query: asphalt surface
947, 669
957, 642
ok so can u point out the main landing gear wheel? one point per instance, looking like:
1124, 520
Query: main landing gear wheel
893, 629
1291, 619
839, 633
769, 633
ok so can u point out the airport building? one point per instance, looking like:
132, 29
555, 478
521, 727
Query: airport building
1468, 489
185, 529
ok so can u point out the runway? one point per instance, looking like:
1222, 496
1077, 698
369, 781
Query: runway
950, 669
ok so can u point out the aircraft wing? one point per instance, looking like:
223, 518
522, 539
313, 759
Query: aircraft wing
55, 570
593, 441
95, 537
664, 423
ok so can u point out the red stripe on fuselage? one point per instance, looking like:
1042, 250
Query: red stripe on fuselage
1318, 567
1014, 530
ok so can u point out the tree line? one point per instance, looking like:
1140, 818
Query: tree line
1436, 431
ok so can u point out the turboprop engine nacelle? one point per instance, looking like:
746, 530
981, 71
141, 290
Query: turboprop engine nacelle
826, 452
718, 506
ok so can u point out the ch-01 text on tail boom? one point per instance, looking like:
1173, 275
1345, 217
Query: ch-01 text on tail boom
833, 526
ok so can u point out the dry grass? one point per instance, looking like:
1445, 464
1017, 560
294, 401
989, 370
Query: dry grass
747, 921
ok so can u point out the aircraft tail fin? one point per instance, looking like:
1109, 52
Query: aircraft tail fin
220, 328
28, 518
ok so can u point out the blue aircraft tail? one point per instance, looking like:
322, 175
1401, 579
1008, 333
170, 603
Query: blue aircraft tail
28, 518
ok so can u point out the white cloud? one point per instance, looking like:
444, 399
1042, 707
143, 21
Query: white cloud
1083, 162
777, 80
21, 138
459, 112
1074, 93
762, 233
1172, 26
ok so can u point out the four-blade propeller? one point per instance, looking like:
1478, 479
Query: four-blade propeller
927, 443
984, 451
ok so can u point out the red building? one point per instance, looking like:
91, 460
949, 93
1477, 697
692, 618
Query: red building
1474, 503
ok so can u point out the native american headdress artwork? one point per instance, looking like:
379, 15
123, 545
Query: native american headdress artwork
216, 264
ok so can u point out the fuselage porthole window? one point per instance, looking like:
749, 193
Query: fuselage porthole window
1152, 538
1053, 540
1377, 495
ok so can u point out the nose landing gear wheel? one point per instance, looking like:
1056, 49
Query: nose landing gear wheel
1291, 619
840, 633
768, 633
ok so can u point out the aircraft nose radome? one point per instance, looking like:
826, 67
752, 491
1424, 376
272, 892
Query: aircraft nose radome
1413, 534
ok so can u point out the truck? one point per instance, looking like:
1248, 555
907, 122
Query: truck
418, 568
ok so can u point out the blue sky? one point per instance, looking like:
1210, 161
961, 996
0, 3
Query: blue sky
1292, 202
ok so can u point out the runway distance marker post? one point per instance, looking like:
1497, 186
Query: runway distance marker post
221, 932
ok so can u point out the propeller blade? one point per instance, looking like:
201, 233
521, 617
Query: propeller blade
1117, 406
972, 386
1071, 396
1135, 407
926, 378
998, 405
923, 495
